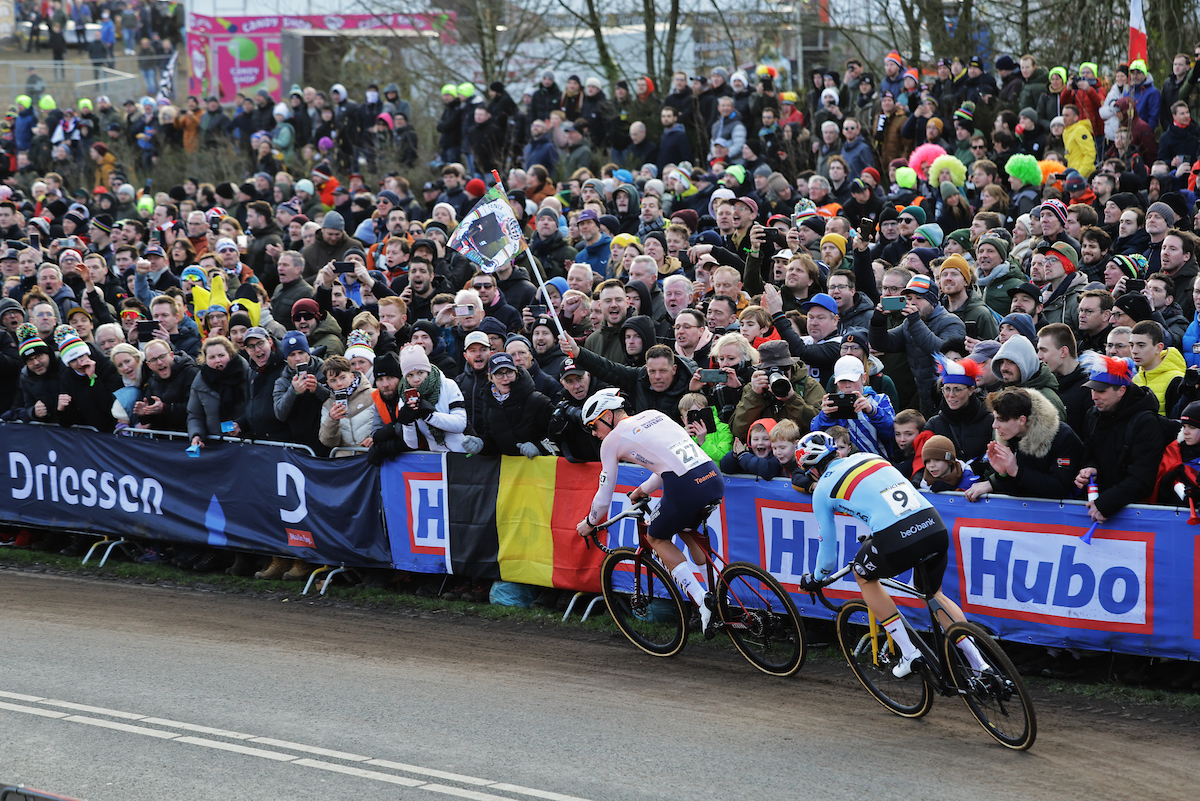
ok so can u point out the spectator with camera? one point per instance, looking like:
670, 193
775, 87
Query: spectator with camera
700, 419
566, 429
87, 386
348, 415
781, 388
1034, 454
259, 420
167, 379
431, 415
866, 414
735, 361
300, 392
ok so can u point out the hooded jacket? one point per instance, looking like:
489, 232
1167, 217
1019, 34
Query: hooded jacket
1063, 304
1164, 380
1003, 277
552, 254
1049, 456
1076, 397
475, 386
1125, 445
919, 339
328, 335
1034, 375
644, 327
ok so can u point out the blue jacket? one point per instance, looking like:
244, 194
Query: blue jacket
872, 433
1177, 141
1148, 100
766, 467
108, 32
1191, 338
541, 151
674, 147
596, 255
26, 120
858, 155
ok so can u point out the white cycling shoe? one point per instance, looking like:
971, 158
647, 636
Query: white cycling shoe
905, 666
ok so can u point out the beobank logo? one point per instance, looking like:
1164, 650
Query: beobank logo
1046, 573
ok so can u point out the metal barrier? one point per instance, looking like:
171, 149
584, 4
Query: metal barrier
351, 449
80, 79
155, 433
22, 793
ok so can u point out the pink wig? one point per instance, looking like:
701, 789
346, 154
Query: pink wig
923, 156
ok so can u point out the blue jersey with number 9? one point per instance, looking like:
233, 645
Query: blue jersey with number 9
862, 486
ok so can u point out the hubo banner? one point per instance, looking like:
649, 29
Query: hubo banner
1017, 566
254, 498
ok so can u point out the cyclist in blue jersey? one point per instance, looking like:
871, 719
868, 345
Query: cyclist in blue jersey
905, 528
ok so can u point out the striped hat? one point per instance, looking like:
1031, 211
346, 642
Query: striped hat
194, 273
358, 343
30, 342
921, 285
894, 57
70, 346
1056, 206
955, 372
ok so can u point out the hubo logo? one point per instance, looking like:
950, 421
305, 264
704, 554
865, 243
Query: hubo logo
1045, 573
789, 540
87, 487
426, 512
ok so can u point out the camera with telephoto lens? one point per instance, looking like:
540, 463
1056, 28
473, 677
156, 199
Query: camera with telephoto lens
780, 383
563, 415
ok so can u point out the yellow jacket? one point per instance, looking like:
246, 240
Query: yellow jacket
1081, 147
1159, 379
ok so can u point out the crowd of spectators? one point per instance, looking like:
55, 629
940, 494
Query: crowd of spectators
988, 278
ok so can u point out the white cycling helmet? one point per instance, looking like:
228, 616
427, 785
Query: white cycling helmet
815, 448
600, 403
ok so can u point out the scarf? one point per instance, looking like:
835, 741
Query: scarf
230, 386
431, 390
999, 271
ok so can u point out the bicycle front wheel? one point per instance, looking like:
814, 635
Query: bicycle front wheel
996, 695
761, 619
872, 657
644, 601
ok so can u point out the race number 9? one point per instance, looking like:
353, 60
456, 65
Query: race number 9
900, 498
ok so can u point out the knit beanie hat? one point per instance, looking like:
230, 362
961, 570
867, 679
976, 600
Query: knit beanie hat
939, 448
30, 342
963, 237
358, 343
413, 357
836, 239
70, 346
999, 243
957, 262
1164, 210
933, 234
915, 211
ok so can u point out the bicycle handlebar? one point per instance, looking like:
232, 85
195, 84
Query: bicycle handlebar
637, 510
819, 595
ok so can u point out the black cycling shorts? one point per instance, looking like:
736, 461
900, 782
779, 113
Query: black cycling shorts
902, 545
684, 498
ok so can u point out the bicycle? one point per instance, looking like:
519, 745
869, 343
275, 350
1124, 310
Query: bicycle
995, 696
750, 605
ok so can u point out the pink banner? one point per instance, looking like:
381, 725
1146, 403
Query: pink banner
242, 54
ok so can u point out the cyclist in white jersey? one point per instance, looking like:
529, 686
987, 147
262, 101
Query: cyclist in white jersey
690, 481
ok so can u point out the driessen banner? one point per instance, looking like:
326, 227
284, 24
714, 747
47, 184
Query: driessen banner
245, 497
1017, 566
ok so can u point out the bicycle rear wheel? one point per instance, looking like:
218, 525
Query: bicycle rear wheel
761, 619
872, 659
996, 696
644, 601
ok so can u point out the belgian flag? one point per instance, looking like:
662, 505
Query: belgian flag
513, 519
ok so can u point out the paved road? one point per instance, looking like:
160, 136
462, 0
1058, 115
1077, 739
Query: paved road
118, 692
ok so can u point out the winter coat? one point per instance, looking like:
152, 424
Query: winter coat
259, 421
1148, 101
674, 147
328, 335
475, 387
1125, 445
256, 255
969, 428
302, 413
552, 254
1049, 456
636, 385
541, 150
1076, 397
1081, 147
174, 392
1164, 380
995, 294
449, 415
869, 433
522, 417
1176, 141
361, 420
1037, 85
801, 407
764, 467
716, 443
1063, 304
919, 339
91, 399
204, 404
977, 312
733, 129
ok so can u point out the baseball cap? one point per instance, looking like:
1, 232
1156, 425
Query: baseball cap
500, 361
572, 367
154, 250
785, 254
587, 214
1027, 288
823, 300
848, 368
257, 332
477, 338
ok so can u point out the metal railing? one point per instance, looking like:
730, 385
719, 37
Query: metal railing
80, 79
155, 433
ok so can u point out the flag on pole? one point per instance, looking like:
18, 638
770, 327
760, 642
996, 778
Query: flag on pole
489, 235
1137, 31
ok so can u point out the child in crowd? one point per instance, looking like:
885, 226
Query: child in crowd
714, 437
1181, 463
943, 472
909, 425
784, 438
802, 480
761, 458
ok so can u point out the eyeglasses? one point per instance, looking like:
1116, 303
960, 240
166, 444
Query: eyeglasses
303, 316
683, 327
162, 357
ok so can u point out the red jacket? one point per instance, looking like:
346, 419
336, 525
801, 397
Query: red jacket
1088, 102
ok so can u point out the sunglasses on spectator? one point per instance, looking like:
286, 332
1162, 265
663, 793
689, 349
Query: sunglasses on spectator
304, 316
919, 239
978, 147
908, 219
481, 286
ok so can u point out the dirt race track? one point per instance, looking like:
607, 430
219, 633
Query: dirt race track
553, 712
